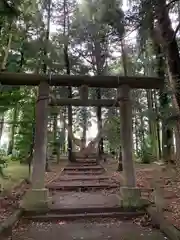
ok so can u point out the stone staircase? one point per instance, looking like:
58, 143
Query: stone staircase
84, 190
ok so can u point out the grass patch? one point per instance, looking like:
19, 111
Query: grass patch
15, 172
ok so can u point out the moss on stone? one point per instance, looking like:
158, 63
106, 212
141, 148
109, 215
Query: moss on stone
131, 197
36, 200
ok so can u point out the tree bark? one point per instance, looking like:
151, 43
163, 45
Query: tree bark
136, 136
177, 126
12, 132
167, 133
45, 55
6, 52
169, 44
1, 125
83, 91
159, 152
99, 121
56, 145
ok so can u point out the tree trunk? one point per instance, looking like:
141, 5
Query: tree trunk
136, 135
70, 122
3, 68
170, 45
125, 68
150, 108
159, 152
177, 125
63, 132
167, 133
68, 72
99, 120
99, 61
55, 134
84, 113
6, 52
178, 10
12, 132
142, 131
45, 55
120, 166
152, 123
1, 125
70, 157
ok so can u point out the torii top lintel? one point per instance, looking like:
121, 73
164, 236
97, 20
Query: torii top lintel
10, 78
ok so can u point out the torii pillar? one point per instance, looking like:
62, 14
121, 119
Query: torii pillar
37, 197
129, 192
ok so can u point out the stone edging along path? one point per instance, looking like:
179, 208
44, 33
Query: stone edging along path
158, 221
7, 225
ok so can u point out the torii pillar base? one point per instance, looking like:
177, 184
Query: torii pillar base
131, 197
36, 200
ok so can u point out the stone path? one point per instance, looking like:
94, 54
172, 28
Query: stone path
84, 207
86, 191
86, 230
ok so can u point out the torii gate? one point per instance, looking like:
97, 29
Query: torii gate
37, 198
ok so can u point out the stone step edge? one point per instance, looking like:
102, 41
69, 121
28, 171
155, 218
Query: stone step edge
66, 179
86, 210
50, 217
87, 173
58, 187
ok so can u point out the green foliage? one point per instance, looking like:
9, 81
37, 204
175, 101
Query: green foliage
113, 133
2, 152
93, 32
24, 136
147, 150
3, 164
146, 156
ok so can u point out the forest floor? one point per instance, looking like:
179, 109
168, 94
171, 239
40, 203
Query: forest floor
164, 179
148, 176
14, 186
15, 173
90, 201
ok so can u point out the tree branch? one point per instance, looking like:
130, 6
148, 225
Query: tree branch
177, 29
170, 3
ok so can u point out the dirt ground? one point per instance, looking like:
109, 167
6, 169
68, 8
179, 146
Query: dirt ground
162, 178
9, 201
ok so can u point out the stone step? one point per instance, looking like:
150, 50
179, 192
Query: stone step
82, 169
80, 156
81, 186
54, 217
82, 178
68, 172
83, 164
90, 161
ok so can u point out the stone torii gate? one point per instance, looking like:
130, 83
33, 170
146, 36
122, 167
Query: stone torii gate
37, 197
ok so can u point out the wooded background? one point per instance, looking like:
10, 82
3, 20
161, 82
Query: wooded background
99, 38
